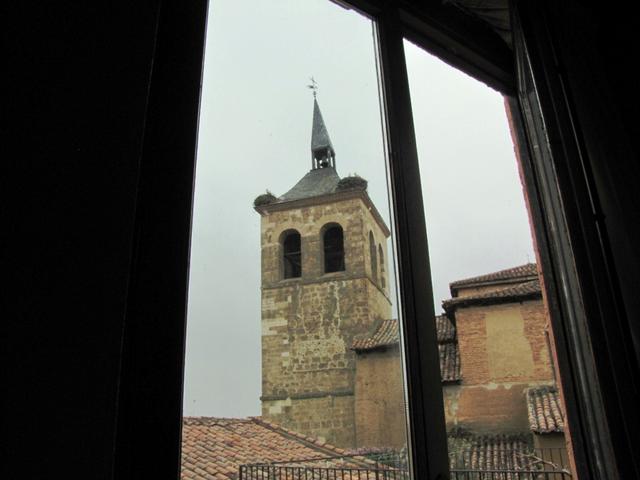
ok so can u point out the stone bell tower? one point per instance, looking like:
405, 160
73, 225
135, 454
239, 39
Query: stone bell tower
324, 282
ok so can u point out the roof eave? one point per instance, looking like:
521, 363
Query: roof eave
454, 287
280, 206
450, 306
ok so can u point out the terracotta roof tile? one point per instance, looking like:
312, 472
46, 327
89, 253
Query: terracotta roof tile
525, 272
521, 291
489, 452
387, 334
449, 362
545, 410
216, 447
445, 329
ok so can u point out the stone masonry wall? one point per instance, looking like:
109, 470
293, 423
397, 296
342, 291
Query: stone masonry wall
379, 400
308, 323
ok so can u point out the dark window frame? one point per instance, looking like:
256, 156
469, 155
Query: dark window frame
152, 366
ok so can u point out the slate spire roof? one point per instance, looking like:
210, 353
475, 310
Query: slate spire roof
322, 152
322, 179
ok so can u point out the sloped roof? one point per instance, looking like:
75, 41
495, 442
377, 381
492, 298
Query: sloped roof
214, 448
319, 181
387, 334
445, 329
525, 272
489, 452
518, 292
545, 410
449, 362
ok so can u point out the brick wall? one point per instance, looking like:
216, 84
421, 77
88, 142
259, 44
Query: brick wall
503, 351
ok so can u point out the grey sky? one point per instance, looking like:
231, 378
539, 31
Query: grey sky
255, 126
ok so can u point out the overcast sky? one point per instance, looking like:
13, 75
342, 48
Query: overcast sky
255, 126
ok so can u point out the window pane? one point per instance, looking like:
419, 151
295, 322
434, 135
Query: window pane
503, 411
293, 345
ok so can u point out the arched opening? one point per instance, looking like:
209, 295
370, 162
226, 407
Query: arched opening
333, 241
383, 282
373, 258
291, 255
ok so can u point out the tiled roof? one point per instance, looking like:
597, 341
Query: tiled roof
214, 448
521, 291
445, 329
545, 410
449, 362
489, 452
387, 334
525, 272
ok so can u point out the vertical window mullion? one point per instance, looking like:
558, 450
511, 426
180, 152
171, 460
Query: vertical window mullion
428, 441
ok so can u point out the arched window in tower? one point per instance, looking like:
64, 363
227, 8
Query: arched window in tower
291, 255
333, 241
373, 258
383, 282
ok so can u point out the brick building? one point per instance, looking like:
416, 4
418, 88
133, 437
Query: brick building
496, 367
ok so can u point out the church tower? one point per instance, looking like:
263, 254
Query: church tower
324, 283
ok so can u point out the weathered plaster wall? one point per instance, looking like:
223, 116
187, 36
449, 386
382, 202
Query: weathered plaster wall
308, 323
379, 400
504, 351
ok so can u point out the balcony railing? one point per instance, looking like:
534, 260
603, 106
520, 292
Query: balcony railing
533, 464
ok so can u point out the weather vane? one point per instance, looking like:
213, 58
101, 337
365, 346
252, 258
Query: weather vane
313, 86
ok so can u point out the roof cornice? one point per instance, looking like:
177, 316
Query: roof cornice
280, 206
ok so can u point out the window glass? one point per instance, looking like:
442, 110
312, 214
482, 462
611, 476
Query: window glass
503, 410
285, 376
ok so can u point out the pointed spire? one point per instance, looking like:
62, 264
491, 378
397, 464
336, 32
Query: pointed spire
322, 153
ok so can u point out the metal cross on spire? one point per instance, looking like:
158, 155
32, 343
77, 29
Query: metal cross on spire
313, 86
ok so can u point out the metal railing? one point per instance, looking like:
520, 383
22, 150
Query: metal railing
509, 475
530, 464
510, 464
279, 472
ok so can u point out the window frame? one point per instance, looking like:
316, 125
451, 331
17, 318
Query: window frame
152, 359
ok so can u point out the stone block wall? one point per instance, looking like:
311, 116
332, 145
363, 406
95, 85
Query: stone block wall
327, 417
379, 400
309, 323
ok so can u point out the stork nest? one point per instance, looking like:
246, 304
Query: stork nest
352, 182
